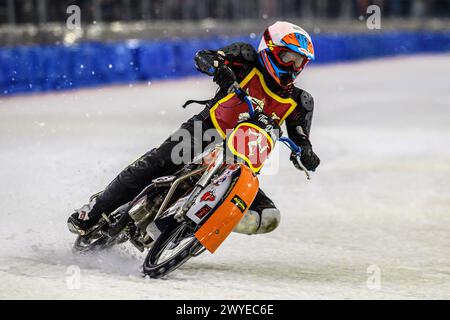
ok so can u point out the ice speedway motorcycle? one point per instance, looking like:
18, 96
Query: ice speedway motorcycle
178, 217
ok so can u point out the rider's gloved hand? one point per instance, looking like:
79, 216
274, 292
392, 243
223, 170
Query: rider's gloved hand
308, 158
224, 77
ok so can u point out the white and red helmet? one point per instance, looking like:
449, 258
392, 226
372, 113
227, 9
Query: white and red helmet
284, 50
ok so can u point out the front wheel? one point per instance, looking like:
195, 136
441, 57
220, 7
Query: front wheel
172, 248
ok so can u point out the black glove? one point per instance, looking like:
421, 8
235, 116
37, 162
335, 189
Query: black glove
224, 77
308, 158
208, 62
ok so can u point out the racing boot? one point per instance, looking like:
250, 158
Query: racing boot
84, 219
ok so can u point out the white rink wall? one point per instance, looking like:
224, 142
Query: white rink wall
379, 201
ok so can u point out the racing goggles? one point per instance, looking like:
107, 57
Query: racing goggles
288, 58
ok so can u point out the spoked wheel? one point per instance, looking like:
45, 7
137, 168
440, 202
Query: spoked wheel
173, 248
94, 242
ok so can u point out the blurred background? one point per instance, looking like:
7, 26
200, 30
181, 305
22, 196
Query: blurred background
52, 45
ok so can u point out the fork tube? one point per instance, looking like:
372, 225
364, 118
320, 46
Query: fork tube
173, 188
203, 182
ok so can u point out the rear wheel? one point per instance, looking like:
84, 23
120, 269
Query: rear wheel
173, 248
92, 242
97, 240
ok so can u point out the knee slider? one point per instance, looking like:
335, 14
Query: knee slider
258, 223
270, 220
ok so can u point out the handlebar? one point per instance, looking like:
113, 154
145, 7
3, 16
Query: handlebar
297, 150
285, 140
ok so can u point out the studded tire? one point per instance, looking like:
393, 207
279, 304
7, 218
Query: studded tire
187, 247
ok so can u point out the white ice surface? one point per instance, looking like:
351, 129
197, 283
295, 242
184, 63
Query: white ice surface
380, 198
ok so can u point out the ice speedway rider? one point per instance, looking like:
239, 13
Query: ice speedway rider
269, 74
